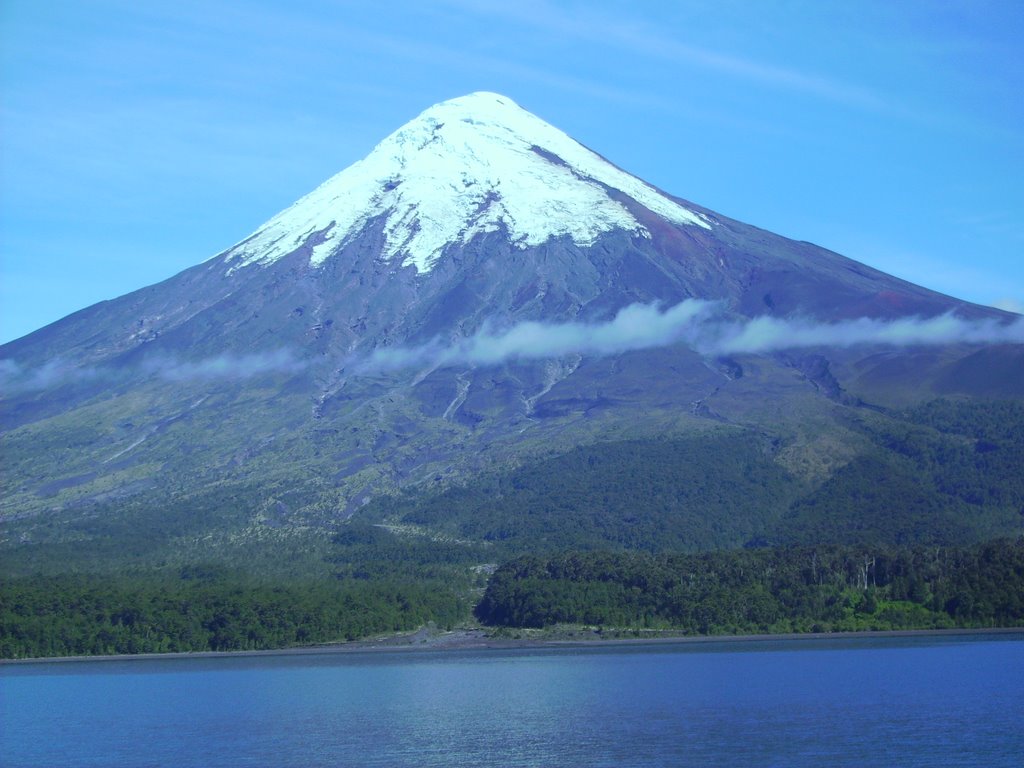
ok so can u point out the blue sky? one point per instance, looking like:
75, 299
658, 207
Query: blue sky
138, 139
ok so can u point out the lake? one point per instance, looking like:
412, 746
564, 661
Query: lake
950, 700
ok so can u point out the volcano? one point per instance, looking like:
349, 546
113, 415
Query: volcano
480, 293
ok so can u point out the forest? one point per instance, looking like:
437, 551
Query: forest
72, 616
774, 590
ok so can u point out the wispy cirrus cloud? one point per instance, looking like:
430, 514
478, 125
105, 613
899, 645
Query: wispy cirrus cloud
643, 40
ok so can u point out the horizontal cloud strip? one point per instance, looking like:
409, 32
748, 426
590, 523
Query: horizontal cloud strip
700, 325
767, 334
15, 378
697, 324
638, 326
225, 366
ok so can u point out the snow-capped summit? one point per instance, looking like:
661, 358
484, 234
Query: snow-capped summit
470, 165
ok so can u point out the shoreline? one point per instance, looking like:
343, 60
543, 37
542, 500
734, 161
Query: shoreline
478, 639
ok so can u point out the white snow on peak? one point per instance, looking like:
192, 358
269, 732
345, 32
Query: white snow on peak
466, 166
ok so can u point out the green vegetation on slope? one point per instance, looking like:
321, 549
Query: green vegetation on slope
922, 485
364, 551
947, 473
708, 491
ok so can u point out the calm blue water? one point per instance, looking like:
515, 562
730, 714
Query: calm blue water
951, 701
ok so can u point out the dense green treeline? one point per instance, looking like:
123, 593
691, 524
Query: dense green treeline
71, 615
787, 589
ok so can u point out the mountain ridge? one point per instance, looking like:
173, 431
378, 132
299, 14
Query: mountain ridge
266, 375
